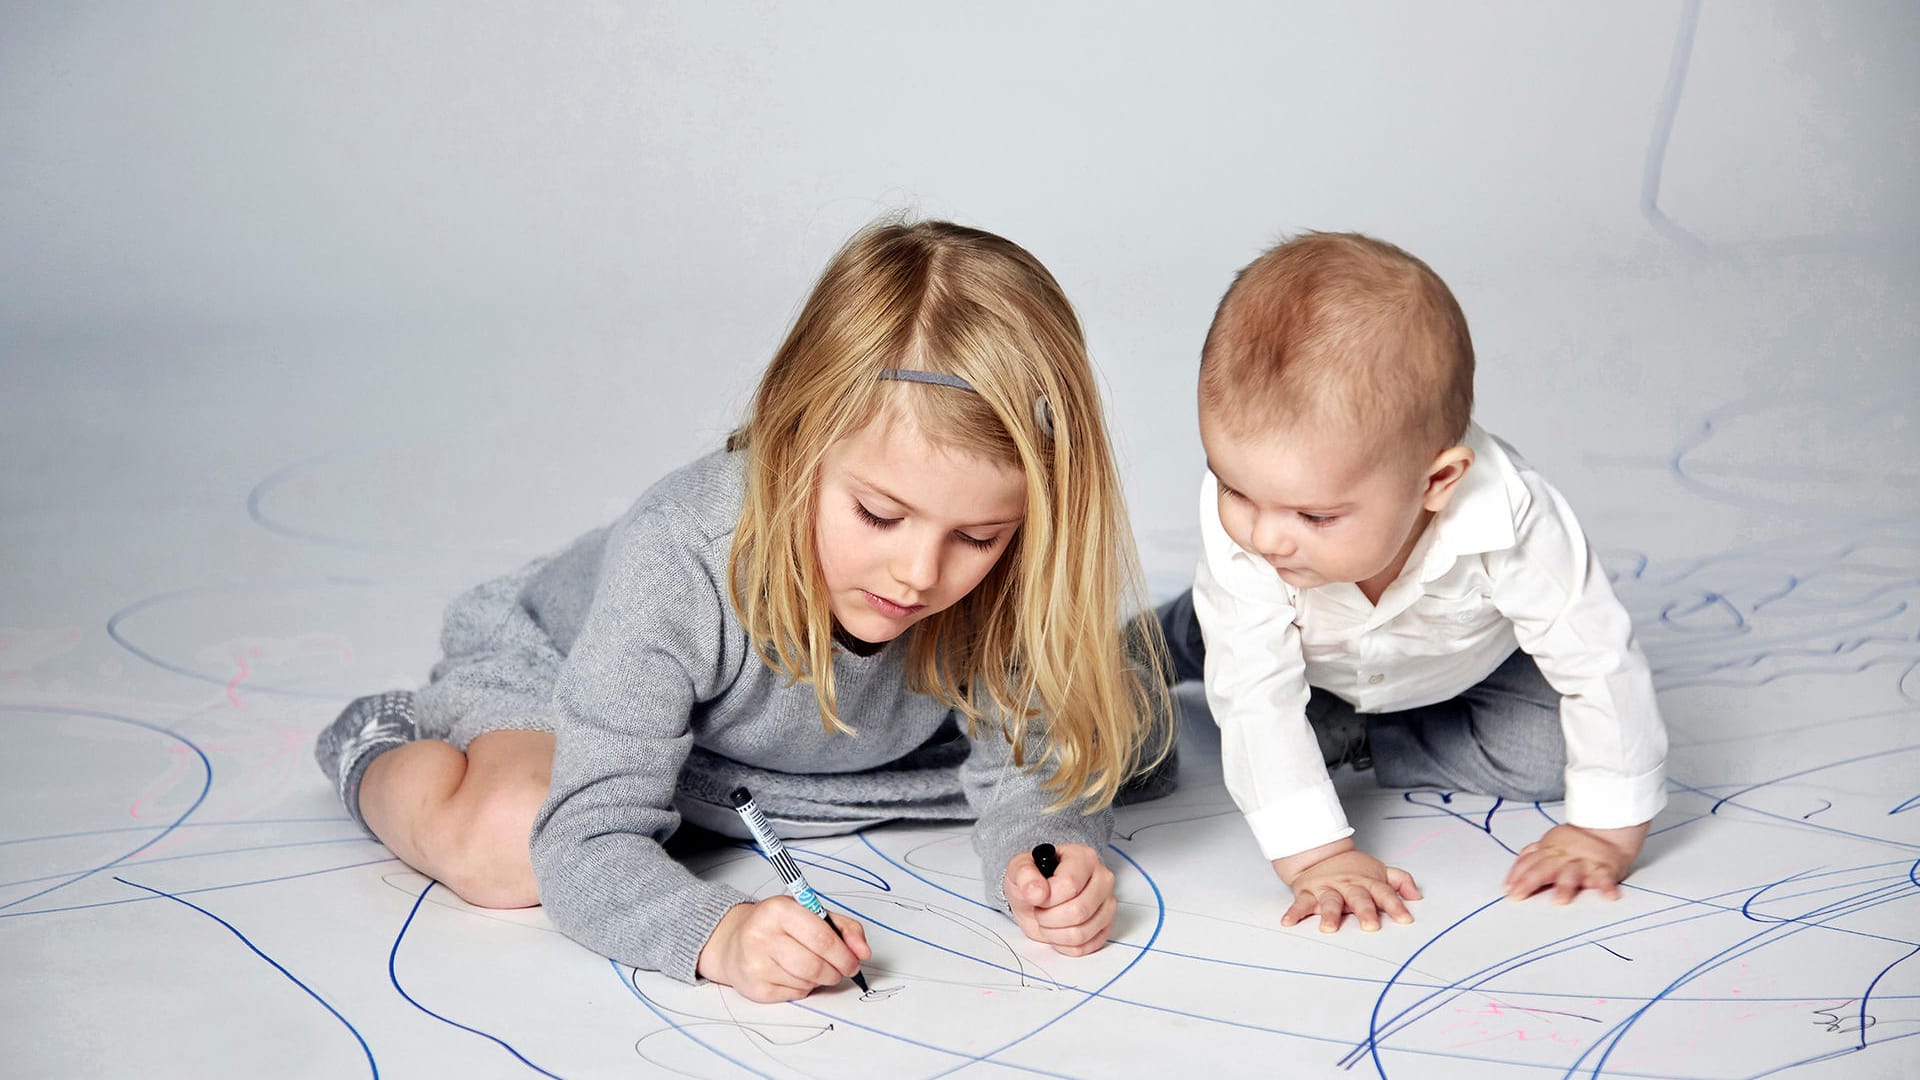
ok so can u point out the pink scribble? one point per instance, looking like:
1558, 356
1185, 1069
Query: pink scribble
172, 777
1441, 831
240, 661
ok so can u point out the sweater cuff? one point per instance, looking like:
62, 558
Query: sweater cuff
1603, 800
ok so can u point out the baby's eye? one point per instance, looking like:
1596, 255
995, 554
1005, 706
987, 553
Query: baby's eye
872, 518
1228, 493
1318, 521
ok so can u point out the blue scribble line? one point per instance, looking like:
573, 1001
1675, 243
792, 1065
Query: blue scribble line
206, 784
120, 639
1656, 159
277, 966
393, 976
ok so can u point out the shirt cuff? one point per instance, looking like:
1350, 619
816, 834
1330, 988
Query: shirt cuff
1299, 822
1597, 800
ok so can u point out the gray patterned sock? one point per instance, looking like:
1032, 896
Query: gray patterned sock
365, 729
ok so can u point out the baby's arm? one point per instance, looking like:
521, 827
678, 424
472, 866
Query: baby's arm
1257, 689
1565, 615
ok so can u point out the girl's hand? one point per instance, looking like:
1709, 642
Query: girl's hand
1072, 910
1569, 858
1336, 878
776, 950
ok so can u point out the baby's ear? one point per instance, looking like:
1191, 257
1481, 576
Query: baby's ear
1444, 475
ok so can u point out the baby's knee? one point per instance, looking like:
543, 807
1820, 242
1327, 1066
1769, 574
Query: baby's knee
1529, 783
487, 861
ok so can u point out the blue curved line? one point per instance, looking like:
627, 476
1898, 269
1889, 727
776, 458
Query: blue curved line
394, 977
1160, 920
207, 855
1656, 159
1725, 799
1814, 918
1753, 943
1372, 1043
258, 493
206, 784
819, 861
1869, 991
235, 931
675, 1024
922, 879
341, 819
198, 891
120, 639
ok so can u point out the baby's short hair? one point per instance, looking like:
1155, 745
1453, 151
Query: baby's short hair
1335, 329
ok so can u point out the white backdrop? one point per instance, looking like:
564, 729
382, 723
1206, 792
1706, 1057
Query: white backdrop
311, 316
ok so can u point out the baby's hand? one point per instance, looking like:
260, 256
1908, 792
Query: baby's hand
1569, 858
1332, 880
776, 950
1072, 910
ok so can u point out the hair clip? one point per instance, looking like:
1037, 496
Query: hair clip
931, 378
1042, 410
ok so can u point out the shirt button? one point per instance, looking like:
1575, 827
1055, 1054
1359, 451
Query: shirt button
1376, 680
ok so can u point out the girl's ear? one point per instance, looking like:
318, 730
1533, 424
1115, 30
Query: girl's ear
1444, 475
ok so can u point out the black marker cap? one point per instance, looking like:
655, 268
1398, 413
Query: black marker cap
741, 797
1047, 859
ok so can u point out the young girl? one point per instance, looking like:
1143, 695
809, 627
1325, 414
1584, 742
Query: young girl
895, 595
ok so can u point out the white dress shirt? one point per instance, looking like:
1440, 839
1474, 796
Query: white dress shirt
1504, 564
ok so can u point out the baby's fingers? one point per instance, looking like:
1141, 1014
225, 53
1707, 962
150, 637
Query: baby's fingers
1602, 880
1303, 901
1388, 898
1566, 883
1403, 884
1530, 874
1331, 909
1360, 901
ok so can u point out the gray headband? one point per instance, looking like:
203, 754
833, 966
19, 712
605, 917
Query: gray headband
1042, 412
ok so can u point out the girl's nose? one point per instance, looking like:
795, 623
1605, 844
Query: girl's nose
917, 565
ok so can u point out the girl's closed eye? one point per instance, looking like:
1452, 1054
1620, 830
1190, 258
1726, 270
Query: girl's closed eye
976, 542
872, 518
1319, 521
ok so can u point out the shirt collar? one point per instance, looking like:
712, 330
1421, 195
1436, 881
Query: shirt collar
1478, 518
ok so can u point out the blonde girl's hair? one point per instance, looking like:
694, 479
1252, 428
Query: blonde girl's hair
1036, 645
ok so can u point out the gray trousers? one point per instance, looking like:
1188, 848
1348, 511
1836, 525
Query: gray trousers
1500, 737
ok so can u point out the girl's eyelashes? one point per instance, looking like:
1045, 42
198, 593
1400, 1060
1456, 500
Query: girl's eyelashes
1318, 521
872, 518
875, 521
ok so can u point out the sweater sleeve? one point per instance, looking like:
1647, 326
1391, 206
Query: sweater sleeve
647, 651
1010, 805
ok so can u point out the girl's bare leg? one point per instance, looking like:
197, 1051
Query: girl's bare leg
464, 819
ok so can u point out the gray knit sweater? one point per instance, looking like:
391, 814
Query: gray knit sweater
662, 703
